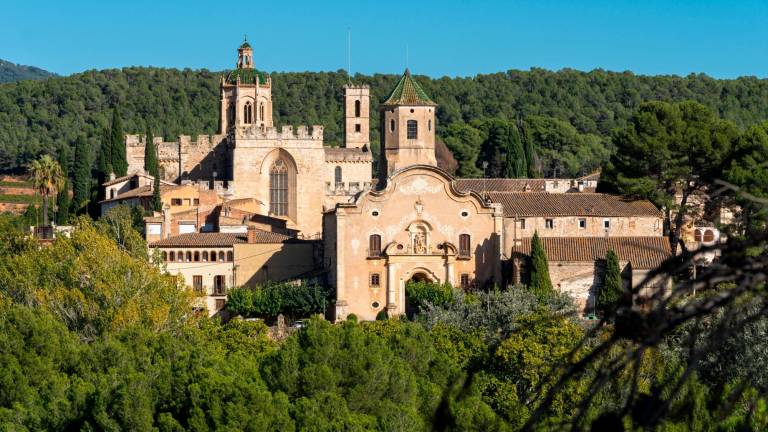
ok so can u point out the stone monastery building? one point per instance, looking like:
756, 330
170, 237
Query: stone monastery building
255, 203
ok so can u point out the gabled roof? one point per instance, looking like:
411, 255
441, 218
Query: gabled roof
501, 185
572, 204
408, 92
641, 252
216, 239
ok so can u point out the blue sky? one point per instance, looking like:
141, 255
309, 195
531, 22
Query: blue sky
447, 37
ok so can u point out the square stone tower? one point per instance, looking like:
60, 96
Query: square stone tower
357, 109
407, 128
246, 95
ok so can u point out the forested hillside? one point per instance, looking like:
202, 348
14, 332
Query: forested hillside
569, 114
11, 72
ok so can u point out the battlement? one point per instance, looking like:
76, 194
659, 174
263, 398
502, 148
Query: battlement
206, 141
302, 132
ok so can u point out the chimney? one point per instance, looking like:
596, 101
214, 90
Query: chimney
111, 175
166, 223
251, 234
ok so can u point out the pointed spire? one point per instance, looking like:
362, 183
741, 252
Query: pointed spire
408, 92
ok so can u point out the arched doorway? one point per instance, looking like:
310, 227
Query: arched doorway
419, 277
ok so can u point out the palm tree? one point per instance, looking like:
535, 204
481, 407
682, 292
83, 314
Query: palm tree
48, 177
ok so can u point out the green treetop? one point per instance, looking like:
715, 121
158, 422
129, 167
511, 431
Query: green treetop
540, 282
150, 153
117, 140
82, 178
612, 291
62, 199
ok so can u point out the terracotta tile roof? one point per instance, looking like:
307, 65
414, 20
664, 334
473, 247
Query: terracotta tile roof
408, 92
641, 252
218, 239
572, 204
340, 154
141, 191
500, 185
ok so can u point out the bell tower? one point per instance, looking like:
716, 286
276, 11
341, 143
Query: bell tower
246, 95
357, 108
407, 128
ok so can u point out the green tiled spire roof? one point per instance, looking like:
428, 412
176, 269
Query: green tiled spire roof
247, 76
245, 45
408, 92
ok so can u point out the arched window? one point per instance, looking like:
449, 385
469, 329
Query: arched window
357, 108
172, 256
213, 256
248, 113
230, 256
278, 189
189, 256
205, 256
709, 236
179, 256
196, 256
374, 246
221, 256
392, 125
697, 235
429, 125
165, 256
464, 245
261, 111
337, 174
111, 193
412, 129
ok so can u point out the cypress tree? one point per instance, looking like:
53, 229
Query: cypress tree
82, 175
150, 154
530, 153
157, 204
612, 291
540, 282
117, 139
516, 165
62, 199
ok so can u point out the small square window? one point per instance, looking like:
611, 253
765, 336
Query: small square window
522, 223
375, 280
582, 223
176, 201
464, 280
549, 223
357, 127
606, 223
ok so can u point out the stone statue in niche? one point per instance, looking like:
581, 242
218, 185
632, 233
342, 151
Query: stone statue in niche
420, 243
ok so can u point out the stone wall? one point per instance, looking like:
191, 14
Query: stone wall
183, 159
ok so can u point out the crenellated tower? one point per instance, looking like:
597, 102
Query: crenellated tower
246, 95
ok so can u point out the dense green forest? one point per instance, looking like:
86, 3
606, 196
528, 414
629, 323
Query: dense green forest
11, 72
93, 336
569, 114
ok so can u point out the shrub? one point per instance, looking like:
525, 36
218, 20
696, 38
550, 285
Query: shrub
419, 294
272, 299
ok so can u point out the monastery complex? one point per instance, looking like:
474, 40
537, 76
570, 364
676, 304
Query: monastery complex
257, 203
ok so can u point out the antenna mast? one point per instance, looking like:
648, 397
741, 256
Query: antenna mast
349, 55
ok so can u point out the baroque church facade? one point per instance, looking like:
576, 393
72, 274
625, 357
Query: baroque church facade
259, 204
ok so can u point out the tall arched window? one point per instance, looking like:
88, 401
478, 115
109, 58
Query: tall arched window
392, 125
231, 114
230, 256
261, 111
205, 256
248, 113
278, 189
357, 108
213, 256
337, 174
165, 256
412, 129
172, 256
